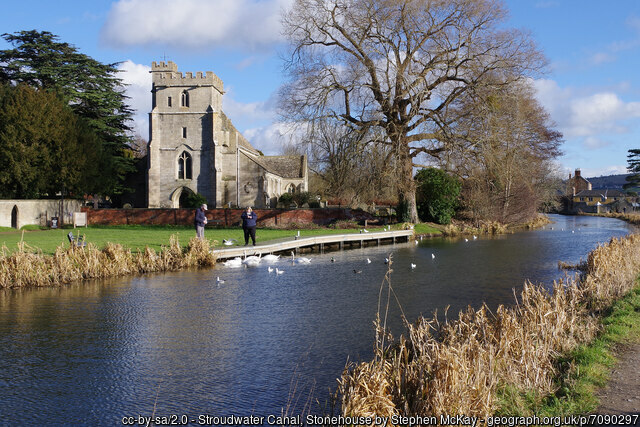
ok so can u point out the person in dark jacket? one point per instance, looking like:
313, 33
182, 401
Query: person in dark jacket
249, 219
200, 221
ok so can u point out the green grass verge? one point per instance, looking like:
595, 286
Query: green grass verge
137, 236
425, 228
584, 371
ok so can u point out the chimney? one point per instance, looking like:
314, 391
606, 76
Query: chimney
577, 173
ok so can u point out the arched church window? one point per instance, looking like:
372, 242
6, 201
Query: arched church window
291, 188
184, 166
184, 99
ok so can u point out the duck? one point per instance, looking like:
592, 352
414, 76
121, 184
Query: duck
357, 271
219, 280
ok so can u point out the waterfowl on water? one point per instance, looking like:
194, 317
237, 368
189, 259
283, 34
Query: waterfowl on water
279, 271
271, 258
219, 280
301, 260
413, 266
368, 261
433, 256
269, 269
357, 271
236, 262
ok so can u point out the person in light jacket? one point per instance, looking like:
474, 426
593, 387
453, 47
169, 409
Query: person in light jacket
200, 221
249, 219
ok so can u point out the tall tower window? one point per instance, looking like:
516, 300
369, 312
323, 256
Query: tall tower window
184, 166
169, 101
184, 99
184, 132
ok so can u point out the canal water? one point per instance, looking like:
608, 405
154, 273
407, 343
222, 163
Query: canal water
184, 344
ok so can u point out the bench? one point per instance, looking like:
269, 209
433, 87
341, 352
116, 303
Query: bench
76, 242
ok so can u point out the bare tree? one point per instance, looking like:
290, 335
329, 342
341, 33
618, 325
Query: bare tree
395, 66
505, 142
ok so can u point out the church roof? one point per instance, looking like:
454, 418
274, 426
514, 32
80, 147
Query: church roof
242, 141
284, 166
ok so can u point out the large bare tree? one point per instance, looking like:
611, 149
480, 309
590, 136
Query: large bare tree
505, 144
395, 66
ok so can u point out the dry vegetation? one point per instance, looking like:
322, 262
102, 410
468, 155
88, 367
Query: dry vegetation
460, 366
24, 268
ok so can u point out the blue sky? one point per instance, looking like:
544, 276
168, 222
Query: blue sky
591, 87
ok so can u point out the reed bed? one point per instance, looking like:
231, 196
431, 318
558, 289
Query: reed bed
459, 367
27, 268
492, 227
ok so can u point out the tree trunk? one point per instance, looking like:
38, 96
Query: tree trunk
407, 185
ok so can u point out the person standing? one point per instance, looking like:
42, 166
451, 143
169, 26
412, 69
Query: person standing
200, 221
249, 219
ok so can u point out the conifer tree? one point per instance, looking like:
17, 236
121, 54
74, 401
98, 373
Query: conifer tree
92, 90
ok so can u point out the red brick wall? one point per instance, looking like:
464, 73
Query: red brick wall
224, 217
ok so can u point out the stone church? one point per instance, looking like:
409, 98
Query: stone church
194, 147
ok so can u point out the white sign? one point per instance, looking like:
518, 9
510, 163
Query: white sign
79, 219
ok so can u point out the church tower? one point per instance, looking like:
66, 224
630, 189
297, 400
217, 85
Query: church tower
181, 135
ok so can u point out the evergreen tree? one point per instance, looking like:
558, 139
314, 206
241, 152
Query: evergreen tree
437, 195
44, 147
633, 165
91, 89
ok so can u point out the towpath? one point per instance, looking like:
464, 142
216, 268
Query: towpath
622, 393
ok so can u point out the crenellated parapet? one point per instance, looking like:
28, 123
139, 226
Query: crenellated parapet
167, 74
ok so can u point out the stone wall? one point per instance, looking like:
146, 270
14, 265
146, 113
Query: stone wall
17, 213
222, 217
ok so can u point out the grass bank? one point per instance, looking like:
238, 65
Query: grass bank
136, 237
584, 370
484, 363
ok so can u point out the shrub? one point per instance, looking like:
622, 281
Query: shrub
301, 198
437, 195
194, 200
286, 199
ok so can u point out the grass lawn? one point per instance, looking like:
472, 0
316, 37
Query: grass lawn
137, 237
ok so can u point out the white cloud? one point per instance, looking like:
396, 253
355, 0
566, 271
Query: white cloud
602, 58
591, 117
250, 112
249, 24
272, 138
138, 80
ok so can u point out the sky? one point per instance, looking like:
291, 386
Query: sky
591, 87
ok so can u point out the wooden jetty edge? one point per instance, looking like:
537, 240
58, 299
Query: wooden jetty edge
315, 243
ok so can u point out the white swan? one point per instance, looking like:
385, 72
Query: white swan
219, 280
236, 262
271, 258
301, 260
368, 261
269, 269
229, 242
433, 256
279, 271
413, 266
251, 261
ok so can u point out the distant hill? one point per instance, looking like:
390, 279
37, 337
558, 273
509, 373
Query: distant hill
614, 182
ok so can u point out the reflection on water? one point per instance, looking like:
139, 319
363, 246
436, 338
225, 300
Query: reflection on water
95, 352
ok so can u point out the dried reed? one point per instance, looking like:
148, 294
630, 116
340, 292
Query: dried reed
29, 268
458, 367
